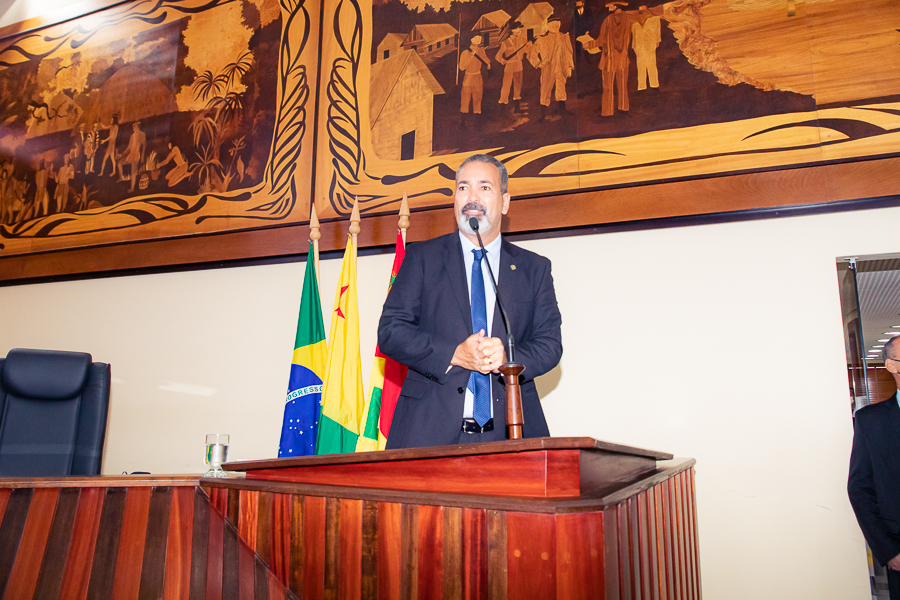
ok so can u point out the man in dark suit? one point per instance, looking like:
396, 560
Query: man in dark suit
452, 393
874, 483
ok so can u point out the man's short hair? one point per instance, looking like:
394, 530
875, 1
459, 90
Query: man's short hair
891, 349
487, 158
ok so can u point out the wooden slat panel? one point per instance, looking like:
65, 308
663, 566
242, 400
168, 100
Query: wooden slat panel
23, 578
154, 568
611, 553
280, 537
79, 563
276, 587
653, 543
483, 552
643, 524
246, 523
496, 545
531, 555
350, 554
177, 584
261, 580
430, 545
296, 558
409, 552
695, 539
246, 573
199, 545
368, 584
263, 544
579, 556
661, 540
634, 538
332, 547
214, 554
11, 531
231, 505
314, 548
106, 551
4, 499
389, 551
679, 534
49, 581
626, 576
127, 576
452, 563
231, 544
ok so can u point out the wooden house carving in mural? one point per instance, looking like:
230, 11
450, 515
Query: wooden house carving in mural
432, 40
488, 27
402, 107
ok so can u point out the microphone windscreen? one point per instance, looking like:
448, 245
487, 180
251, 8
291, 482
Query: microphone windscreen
473, 223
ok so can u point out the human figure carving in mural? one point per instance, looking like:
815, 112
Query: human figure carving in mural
110, 142
180, 170
512, 50
645, 38
552, 54
65, 174
78, 151
41, 195
614, 38
137, 145
91, 143
470, 62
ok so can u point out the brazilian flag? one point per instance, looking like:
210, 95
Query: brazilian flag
304, 396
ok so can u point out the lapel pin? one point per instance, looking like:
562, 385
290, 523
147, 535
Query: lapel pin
512, 267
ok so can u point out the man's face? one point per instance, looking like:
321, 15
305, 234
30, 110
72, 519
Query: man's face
554, 26
478, 195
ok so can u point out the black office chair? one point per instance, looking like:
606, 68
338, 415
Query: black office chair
54, 406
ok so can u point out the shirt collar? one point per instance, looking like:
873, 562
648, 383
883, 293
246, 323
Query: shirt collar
493, 249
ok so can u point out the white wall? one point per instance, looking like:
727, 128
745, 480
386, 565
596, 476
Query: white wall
719, 342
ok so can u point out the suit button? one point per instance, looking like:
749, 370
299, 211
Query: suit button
459, 390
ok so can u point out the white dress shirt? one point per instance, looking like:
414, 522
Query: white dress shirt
490, 296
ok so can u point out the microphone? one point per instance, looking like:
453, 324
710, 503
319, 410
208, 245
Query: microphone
473, 223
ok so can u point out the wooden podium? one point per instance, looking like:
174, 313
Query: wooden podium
564, 518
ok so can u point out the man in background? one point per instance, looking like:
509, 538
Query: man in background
874, 482
441, 320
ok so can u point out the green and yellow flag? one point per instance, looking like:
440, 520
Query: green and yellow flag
304, 395
342, 398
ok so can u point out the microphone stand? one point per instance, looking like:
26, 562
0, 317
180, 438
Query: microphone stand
511, 371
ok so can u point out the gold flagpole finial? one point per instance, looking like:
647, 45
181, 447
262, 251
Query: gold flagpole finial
314, 235
354, 220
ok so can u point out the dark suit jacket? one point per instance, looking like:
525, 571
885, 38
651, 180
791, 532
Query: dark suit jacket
874, 482
427, 315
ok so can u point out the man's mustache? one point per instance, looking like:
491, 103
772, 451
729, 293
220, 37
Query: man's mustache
473, 206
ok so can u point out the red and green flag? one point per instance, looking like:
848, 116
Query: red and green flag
384, 384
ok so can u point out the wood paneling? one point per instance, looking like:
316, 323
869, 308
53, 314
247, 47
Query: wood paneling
136, 542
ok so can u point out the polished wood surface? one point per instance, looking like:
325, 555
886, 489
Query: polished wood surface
539, 467
256, 539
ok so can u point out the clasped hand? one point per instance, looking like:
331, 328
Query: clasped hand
480, 353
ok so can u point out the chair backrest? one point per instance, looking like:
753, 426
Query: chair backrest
53, 409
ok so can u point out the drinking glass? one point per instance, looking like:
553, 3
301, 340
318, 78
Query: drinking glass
216, 454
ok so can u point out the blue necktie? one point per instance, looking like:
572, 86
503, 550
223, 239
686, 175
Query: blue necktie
480, 385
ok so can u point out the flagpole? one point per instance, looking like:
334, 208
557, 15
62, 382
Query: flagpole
314, 235
404, 218
354, 222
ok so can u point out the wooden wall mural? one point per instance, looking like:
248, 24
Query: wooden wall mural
165, 119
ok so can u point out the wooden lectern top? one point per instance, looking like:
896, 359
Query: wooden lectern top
530, 468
